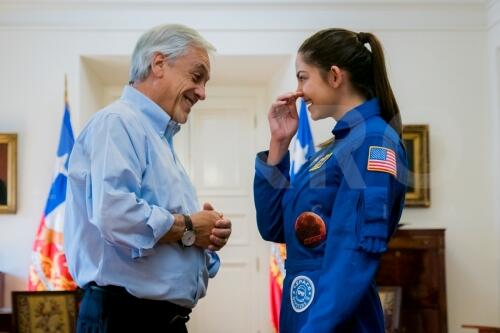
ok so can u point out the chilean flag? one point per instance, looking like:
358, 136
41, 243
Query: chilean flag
49, 270
303, 146
302, 150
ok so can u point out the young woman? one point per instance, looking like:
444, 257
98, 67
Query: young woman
338, 214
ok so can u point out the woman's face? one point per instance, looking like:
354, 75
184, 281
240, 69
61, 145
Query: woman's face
319, 95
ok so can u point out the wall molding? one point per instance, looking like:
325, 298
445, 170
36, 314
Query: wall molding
493, 13
97, 3
257, 15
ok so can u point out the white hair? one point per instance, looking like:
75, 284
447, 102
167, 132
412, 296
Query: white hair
171, 40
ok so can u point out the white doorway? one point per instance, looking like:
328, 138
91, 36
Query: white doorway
222, 142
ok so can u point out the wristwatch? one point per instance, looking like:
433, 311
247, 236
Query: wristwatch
188, 237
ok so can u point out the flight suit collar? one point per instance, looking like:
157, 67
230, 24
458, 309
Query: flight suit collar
355, 117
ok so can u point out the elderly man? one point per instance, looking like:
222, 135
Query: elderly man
135, 238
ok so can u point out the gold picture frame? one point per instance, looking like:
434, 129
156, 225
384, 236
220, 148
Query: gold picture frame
416, 141
44, 311
8, 173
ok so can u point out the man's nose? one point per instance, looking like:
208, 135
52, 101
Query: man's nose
200, 92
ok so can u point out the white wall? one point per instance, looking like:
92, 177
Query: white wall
436, 54
494, 106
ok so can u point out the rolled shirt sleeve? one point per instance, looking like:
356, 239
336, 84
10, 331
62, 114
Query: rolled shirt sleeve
118, 211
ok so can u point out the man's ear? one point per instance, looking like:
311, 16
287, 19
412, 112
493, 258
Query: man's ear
158, 64
335, 77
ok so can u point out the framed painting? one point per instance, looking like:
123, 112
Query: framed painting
416, 141
44, 311
8, 172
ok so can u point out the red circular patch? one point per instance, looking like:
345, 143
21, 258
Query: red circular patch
310, 229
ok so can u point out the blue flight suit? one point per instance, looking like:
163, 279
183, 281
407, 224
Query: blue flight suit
329, 287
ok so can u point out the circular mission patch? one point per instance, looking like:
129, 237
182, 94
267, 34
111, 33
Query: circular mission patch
301, 293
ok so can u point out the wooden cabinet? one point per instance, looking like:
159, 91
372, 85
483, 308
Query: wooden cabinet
5, 314
415, 261
2, 283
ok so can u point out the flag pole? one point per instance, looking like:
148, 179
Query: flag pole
49, 269
65, 88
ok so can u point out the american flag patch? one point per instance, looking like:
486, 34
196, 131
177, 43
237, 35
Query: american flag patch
382, 159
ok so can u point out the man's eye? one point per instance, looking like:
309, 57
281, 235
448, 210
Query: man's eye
196, 77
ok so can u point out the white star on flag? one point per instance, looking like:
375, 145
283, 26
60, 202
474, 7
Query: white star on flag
303, 145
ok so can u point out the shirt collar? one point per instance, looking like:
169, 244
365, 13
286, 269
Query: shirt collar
356, 116
155, 115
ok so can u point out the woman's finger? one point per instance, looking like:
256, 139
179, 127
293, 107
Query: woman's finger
290, 97
278, 103
286, 96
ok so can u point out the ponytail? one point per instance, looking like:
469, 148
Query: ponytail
382, 88
367, 70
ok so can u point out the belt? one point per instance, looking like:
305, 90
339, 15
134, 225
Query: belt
121, 292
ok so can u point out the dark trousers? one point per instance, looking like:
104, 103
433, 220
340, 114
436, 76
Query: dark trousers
112, 309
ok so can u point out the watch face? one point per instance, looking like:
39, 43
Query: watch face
188, 238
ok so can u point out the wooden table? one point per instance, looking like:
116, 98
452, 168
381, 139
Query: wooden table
483, 329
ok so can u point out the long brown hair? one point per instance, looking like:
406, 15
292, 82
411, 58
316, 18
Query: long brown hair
346, 49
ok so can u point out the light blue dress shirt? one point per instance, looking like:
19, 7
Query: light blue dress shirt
124, 183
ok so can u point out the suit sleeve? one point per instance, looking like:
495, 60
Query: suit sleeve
358, 231
270, 183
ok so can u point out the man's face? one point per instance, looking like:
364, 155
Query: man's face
183, 83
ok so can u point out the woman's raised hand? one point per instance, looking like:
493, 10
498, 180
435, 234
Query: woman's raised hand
283, 117
283, 122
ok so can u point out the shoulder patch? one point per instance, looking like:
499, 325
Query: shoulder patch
382, 159
320, 162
